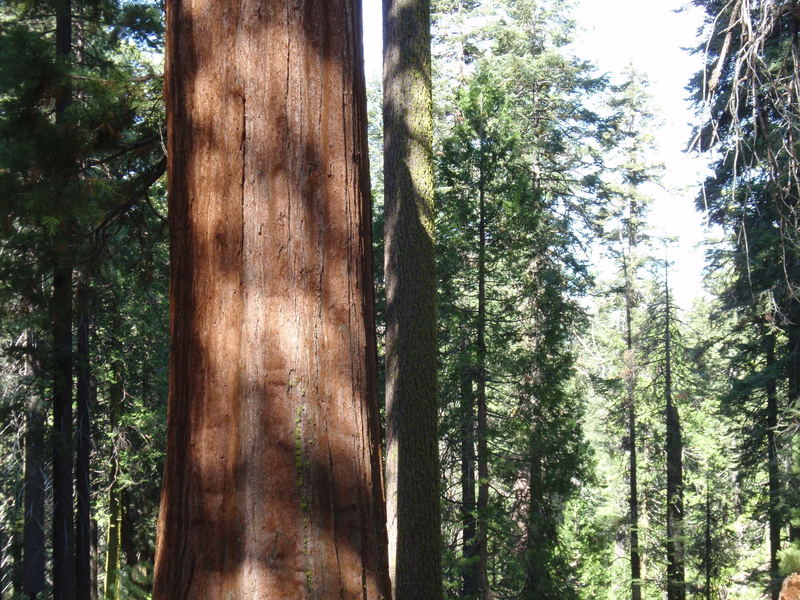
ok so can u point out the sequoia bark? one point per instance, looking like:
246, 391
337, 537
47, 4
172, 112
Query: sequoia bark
272, 483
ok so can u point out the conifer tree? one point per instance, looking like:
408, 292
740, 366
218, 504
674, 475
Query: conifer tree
749, 91
412, 444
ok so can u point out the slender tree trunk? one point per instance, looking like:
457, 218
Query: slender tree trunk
676, 586
412, 443
63, 512
83, 526
630, 388
793, 360
773, 473
16, 548
61, 322
130, 553
707, 557
33, 552
273, 481
113, 545
537, 585
483, 455
471, 576
5, 561
95, 566
116, 395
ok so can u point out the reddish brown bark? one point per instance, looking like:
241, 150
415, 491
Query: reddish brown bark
272, 486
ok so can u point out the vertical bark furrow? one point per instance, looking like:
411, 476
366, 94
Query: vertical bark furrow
270, 486
412, 467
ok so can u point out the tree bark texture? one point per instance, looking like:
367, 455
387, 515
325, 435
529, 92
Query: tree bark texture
412, 444
33, 551
272, 483
676, 585
83, 526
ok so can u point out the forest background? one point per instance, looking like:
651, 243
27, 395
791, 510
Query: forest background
629, 447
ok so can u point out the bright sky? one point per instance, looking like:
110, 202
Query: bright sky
652, 37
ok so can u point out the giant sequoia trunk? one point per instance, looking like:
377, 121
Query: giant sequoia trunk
412, 458
676, 585
272, 483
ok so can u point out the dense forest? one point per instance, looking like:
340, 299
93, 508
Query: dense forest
272, 330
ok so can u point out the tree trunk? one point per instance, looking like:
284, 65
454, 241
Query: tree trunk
33, 552
481, 433
773, 473
113, 544
471, 576
630, 388
537, 581
412, 442
272, 483
83, 526
16, 547
707, 558
116, 394
95, 565
61, 323
63, 512
676, 586
793, 376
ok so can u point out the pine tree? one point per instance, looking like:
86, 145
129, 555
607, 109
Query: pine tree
750, 95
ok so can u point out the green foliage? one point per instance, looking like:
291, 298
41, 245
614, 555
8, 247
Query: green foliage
790, 560
507, 147
560, 160
84, 184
